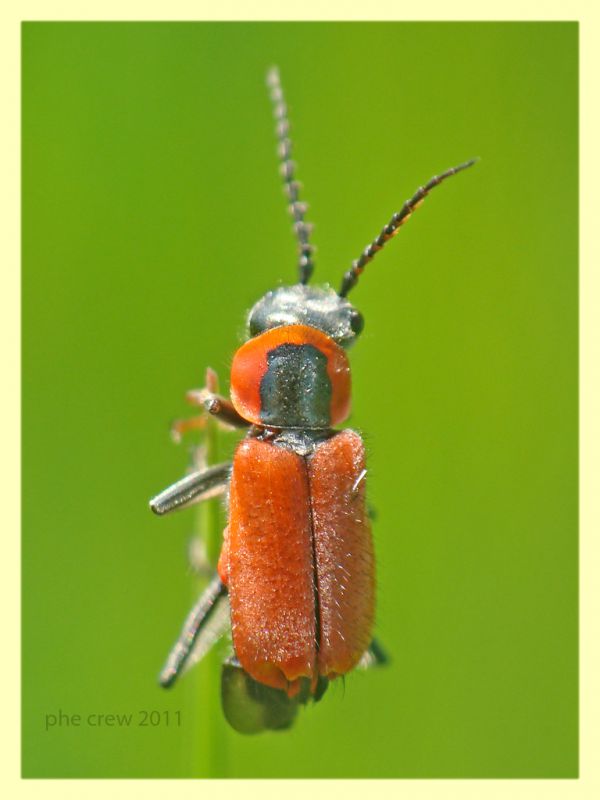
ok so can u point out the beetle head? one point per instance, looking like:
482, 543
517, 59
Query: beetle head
316, 306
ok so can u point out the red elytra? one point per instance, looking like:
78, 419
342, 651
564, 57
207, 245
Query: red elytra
298, 561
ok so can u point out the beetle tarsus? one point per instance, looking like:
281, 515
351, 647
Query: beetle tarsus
197, 621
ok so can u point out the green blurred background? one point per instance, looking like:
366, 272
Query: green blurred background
153, 217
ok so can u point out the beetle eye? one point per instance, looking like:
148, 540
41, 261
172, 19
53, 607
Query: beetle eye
256, 323
357, 321
253, 328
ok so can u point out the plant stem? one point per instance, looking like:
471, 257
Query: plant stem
208, 756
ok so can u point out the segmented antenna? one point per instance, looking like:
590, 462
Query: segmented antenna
391, 229
297, 209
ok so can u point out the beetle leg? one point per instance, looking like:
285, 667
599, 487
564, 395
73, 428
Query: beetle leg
204, 625
181, 426
211, 402
217, 405
375, 656
379, 655
194, 488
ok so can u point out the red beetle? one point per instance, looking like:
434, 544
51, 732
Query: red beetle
296, 566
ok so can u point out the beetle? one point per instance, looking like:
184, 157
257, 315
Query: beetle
296, 573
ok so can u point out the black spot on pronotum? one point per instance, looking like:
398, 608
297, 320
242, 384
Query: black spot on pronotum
295, 391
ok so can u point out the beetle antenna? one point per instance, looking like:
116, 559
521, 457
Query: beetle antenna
391, 229
297, 209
